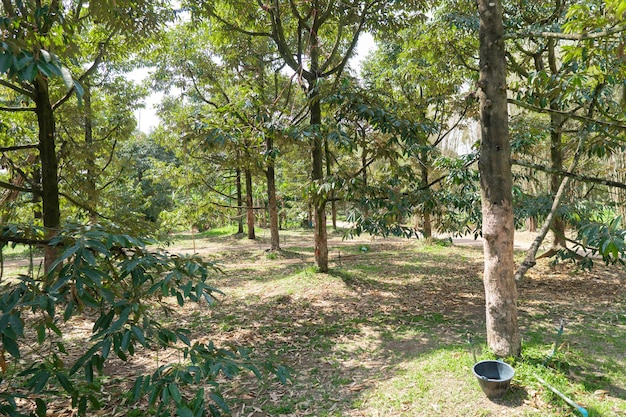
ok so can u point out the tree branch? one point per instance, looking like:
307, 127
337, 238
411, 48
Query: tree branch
530, 259
10, 186
23, 240
18, 148
579, 177
16, 88
567, 36
16, 109
586, 119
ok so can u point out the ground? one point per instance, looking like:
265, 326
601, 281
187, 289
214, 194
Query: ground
385, 332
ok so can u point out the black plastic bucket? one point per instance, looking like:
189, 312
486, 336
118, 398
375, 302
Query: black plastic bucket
494, 377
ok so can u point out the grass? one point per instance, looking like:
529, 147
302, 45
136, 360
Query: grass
20, 251
384, 333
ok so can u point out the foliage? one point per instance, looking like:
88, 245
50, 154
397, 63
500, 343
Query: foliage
120, 284
598, 239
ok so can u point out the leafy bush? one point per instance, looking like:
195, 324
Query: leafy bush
120, 284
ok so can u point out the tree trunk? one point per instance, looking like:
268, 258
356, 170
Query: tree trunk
249, 204
91, 192
556, 155
556, 159
319, 200
426, 227
271, 196
49, 167
503, 336
333, 205
317, 156
366, 212
239, 202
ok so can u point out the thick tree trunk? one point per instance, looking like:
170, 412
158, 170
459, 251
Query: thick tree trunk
239, 202
49, 167
271, 196
503, 334
249, 204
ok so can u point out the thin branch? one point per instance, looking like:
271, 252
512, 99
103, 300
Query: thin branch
530, 259
23, 240
10, 186
586, 119
92, 69
232, 26
17, 109
78, 204
16, 88
567, 36
578, 177
461, 117
18, 148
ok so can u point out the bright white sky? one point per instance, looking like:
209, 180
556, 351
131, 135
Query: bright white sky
147, 118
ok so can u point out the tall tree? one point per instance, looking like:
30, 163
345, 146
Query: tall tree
503, 335
40, 40
315, 39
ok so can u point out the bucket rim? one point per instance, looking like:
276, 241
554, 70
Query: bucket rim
484, 378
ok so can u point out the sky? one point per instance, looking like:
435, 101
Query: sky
147, 118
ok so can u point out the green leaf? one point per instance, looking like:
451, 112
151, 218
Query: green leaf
137, 389
39, 381
67, 78
82, 406
66, 254
46, 55
138, 334
175, 393
219, 400
89, 371
184, 412
11, 346
5, 62
41, 333
41, 407
123, 318
65, 383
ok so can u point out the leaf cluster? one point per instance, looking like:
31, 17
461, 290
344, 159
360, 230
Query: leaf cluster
122, 283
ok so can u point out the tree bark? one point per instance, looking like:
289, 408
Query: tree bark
556, 154
424, 165
317, 156
271, 195
92, 191
49, 167
239, 202
503, 336
333, 203
249, 204
319, 199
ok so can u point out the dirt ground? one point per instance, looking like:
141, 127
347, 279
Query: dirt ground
350, 335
